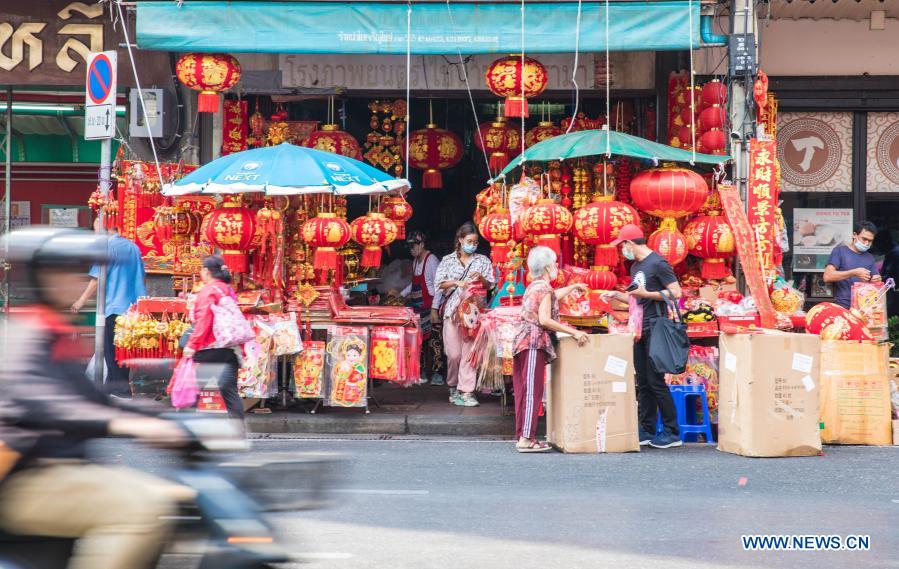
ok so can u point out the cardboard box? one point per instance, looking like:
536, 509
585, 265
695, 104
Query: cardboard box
592, 402
855, 393
895, 432
768, 394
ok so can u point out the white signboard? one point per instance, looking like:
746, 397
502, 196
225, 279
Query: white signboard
64, 217
100, 95
19, 215
815, 233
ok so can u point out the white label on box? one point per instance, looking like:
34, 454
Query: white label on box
730, 362
601, 431
619, 387
803, 363
808, 382
616, 366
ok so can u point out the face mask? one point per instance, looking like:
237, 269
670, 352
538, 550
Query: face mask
628, 254
861, 246
469, 249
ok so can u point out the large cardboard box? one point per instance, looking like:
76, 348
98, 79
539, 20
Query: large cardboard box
592, 402
768, 394
855, 393
895, 432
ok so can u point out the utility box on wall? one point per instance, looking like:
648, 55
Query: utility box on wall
157, 105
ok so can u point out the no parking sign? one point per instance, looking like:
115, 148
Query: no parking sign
100, 96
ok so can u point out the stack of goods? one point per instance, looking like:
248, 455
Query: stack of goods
737, 314
870, 303
788, 303
276, 335
150, 329
699, 314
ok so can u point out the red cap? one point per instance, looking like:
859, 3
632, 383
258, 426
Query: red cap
628, 233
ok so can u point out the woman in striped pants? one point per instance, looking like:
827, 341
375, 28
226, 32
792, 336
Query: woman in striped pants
534, 347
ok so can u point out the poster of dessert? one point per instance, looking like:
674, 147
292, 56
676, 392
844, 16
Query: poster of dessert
815, 233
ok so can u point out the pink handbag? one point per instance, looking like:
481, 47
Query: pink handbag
183, 386
229, 326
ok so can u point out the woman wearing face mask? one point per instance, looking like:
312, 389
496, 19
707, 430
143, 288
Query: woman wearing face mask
534, 343
455, 273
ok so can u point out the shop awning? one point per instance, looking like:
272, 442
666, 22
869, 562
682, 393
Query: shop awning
600, 142
369, 27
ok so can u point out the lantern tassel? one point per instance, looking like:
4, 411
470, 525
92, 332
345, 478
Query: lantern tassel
498, 161
517, 107
605, 256
499, 252
325, 258
371, 257
554, 242
236, 261
432, 180
208, 102
401, 230
714, 269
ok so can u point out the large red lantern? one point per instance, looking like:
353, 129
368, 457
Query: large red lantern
713, 142
373, 231
232, 228
598, 224
714, 93
327, 233
501, 141
433, 149
543, 131
711, 238
668, 192
210, 74
496, 228
548, 221
668, 242
399, 211
833, 322
331, 139
174, 223
505, 77
712, 117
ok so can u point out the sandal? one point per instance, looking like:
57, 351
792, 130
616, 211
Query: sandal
534, 446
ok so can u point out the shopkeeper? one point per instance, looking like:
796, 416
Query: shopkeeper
461, 271
419, 295
850, 264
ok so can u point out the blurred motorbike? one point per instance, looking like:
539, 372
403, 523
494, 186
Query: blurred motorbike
224, 522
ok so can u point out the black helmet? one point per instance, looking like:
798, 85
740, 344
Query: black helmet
44, 246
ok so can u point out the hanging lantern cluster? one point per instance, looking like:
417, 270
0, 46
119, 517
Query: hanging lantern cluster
669, 193
496, 228
547, 221
326, 233
373, 231
210, 74
598, 224
713, 118
508, 78
433, 149
711, 238
232, 228
501, 141
397, 210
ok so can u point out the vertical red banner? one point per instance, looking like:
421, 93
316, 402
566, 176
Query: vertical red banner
234, 131
762, 196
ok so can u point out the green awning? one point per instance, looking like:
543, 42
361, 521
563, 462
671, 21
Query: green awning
600, 142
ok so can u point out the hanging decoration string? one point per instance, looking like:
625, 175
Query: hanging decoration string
522, 76
474, 110
577, 47
692, 86
608, 89
408, 81
140, 92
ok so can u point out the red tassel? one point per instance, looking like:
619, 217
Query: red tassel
325, 258
517, 107
208, 102
432, 180
400, 230
371, 257
499, 253
551, 241
714, 269
605, 256
498, 161
236, 261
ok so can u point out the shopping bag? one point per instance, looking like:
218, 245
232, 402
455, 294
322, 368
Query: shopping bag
184, 387
669, 345
229, 326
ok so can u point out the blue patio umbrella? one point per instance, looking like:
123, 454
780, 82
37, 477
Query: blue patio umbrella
285, 170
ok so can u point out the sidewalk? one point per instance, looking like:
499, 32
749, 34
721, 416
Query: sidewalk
419, 410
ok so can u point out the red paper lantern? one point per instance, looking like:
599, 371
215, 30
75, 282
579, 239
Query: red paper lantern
399, 211
543, 131
833, 322
433, 149
685, 134
668, 192
547, 221
687, 115
496, 228
714, 93
501, 140
598, 224
714, 142
327, 233
232, 228
331, 139
711, 238
669, 243
373, 231
210, 74
174, 223
505, 76
712, 117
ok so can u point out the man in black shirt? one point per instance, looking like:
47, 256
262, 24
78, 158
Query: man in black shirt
651, 274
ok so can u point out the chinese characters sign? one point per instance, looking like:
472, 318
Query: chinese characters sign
762, 196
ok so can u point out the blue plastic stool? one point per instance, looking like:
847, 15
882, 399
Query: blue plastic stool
687, 421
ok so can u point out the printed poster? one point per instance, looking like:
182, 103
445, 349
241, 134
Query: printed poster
815, 233
347, 366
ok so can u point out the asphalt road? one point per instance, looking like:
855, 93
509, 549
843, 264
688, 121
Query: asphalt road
472, 504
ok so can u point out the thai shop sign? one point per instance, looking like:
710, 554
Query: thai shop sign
436, 27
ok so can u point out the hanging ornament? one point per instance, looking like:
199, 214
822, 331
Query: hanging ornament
496, 228
210, 74
505, 76
330, 138
668, 242
256, 122
543, 131
373, 231
433, 149
598, 224
712, 117
547, 221
711, 238
326, 232
714, 93
397, 210
714, 142
232, 228
501, 141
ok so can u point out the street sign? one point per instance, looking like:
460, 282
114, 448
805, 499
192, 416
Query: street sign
100, 96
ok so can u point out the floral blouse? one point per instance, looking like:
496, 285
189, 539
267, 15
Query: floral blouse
452, 269
531, 335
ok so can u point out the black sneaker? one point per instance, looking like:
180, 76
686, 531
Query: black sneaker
644, 437
666, 440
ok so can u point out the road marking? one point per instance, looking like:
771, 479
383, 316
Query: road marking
376, 440
380, 492
895, 501
320, 556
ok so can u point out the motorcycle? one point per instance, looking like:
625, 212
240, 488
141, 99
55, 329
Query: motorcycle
224, 523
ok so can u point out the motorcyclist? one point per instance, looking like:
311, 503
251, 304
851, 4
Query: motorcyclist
49, 410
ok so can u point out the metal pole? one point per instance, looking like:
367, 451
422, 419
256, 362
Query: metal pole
105, 183
7, 204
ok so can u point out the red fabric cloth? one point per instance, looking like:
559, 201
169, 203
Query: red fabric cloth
529, 381
202, 336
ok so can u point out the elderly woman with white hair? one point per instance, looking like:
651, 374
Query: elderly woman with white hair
535, 344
